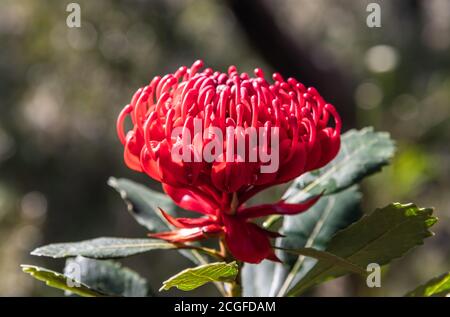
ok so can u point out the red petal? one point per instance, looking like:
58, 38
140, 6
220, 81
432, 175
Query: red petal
213, 229
196, 222
280, 208
172, 172
120, 120
187, 222
231, 176
314, 156
294, 167
149, 165
175, 170
330, 143
132, 152
246, 241
191, 199
188, 234
180, 236
172, 220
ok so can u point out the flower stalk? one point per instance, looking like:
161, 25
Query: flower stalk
233, 289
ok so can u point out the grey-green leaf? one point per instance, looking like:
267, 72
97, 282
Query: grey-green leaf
384, 235
143, 203
60, 281
192, 278
363, 152
436, 287
313, 228
102, 248
256, 278
107, 276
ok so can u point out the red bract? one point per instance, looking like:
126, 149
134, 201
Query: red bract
308, 139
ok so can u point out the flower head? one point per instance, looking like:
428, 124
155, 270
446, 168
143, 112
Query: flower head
213, 112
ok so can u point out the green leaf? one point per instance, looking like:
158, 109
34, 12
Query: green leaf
379, 237
102, 248
362, 153
60, 281
314, 229
329, 258
143, 203
107, 276
437, 287
192, 278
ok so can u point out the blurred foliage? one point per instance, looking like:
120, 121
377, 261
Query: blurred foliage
61, 90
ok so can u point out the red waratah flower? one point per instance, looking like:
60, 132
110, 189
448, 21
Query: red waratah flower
218, 189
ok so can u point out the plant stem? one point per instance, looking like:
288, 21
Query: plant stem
236, 286
234, 289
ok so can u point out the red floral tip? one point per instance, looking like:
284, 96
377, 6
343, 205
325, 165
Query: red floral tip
182, 109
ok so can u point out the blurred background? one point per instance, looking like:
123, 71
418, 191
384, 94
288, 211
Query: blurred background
61, 90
